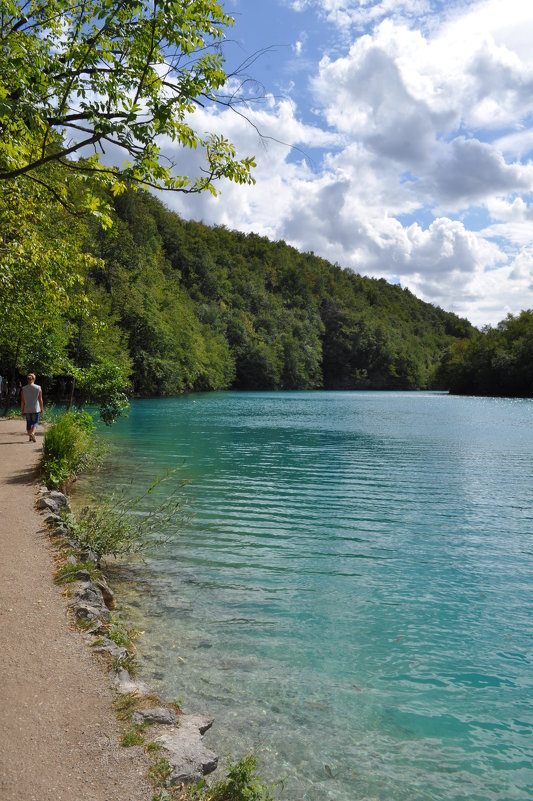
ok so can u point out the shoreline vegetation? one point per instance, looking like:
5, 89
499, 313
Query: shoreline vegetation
172, 740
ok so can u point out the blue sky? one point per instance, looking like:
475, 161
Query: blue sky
398, 142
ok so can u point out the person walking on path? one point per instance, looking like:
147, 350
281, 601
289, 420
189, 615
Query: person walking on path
31, 405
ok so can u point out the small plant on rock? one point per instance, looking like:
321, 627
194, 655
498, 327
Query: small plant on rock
126, 663
120, 634
67, 572
159, 772
240, 784
132, 737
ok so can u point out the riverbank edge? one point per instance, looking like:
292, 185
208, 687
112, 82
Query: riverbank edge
172, 739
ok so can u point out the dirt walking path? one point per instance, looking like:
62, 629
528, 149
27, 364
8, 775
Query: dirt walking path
59, 740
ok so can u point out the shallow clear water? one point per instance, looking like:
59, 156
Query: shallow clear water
353, 598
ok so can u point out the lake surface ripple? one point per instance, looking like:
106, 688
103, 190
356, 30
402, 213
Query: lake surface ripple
353, 597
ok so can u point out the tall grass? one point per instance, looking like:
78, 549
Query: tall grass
118, 525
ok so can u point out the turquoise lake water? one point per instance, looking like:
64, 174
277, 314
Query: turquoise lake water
353, 598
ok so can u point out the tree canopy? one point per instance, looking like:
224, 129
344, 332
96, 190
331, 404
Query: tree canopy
95, 96
111, 81
178, 306
496, 361
200, 308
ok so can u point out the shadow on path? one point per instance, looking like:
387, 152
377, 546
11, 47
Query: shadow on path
25, 476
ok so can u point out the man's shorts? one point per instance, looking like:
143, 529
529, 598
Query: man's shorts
32, 419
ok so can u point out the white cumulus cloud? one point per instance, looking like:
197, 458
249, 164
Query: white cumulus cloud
420, 120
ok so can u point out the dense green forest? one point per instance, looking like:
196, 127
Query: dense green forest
180, 306
496, 361
157, 305
76, 81
207, 308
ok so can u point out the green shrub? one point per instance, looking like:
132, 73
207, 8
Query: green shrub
105, 384
69, 447
241, 784
55, 472
127, 663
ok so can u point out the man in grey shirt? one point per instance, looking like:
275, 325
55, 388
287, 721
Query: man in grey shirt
31, 405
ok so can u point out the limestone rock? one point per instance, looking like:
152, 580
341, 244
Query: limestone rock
47, 503
184, 750
87, 602
93, 614
124, 683
82, 575
107, 646
107, 592
159, 714
88, 556
202, 722
87, 591
58, 497
95, 628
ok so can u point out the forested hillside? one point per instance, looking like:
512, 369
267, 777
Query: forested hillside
179, 306
201, 308
496, 361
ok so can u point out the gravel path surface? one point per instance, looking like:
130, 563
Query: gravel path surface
59, 740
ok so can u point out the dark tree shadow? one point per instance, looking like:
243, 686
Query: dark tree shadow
25, 476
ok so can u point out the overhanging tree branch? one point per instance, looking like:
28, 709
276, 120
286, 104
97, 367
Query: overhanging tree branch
33, 165
127, 73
